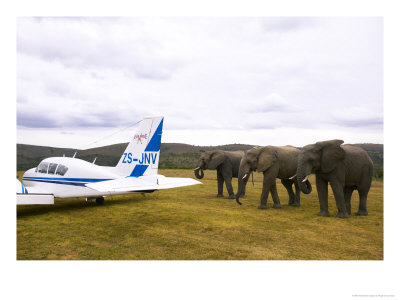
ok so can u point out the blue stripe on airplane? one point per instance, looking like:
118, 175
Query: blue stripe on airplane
59, 182
155, 142
67, 179
138, 170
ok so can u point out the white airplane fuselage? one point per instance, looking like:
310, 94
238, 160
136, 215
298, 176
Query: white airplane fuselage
72, 184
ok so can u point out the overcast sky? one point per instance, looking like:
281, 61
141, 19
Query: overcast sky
261, 81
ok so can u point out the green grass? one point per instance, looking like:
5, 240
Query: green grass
190, 223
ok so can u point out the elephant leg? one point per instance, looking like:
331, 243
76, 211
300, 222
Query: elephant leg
322, 189
362, 209
275, 197
265, 192
348, 191
298, 193
288, 185
228, 183
338, 192
220, 180
363, 190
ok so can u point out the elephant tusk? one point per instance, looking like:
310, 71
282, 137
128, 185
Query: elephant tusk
305, 179
197, 168
293, 177
245, 175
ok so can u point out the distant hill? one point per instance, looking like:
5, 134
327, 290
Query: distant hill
375, 151
371, 147
173, 155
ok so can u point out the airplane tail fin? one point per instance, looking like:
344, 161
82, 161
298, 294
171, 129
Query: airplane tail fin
141, 156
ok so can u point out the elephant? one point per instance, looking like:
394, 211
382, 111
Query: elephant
274, 162
227, 165
345, 167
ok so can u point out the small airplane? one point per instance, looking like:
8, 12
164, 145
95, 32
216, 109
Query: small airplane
136, 172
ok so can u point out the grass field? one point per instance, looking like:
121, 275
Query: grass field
190, 223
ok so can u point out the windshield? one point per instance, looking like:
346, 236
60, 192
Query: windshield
61, 170
42, 168
51, 168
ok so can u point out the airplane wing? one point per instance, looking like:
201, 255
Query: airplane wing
33, 196
143, 183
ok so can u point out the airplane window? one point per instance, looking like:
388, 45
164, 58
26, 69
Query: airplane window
52, 168
42, 168
61, 170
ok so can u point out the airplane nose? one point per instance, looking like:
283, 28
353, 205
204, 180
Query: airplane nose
29, 172
20, 188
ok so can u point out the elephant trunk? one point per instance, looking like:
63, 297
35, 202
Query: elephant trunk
302, 178
241, 185
243, 176
305, 187
198, 172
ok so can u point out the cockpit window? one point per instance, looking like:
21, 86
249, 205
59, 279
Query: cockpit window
61, 170
52, 168
42, 168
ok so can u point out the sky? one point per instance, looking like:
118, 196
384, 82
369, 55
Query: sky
217, 80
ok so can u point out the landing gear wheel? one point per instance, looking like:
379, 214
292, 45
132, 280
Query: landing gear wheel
100, 201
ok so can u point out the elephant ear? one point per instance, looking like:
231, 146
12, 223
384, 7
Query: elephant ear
331, 154
267, 157
216, 159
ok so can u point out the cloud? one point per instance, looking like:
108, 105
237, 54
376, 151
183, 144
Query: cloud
33, 120
286, 24
357, 117
202, 74
81, 43
271, 103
